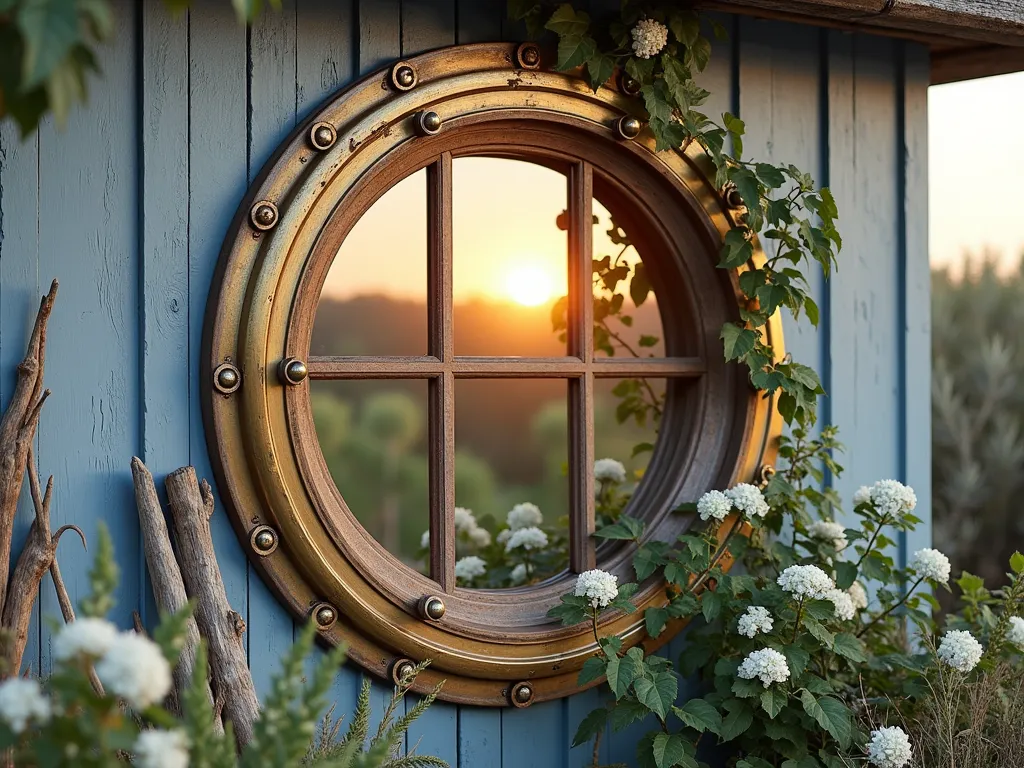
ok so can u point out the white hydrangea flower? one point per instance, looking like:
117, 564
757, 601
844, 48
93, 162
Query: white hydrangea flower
649, 38
766, 664
806, 581
889, 748
527, 538
425, 540
481, 537
609, 471
469, 567
84, 637
858, 595
892, 497
599, 587
525, 515
845, 609
504, 535
960, 650
825, 530
22, 700
748, 499
135, 669
464, 520
931, 564
714, 504
1015, 634
161, 749
756, 619
518, 574
862, 495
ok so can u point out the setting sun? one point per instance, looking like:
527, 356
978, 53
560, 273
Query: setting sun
530, 286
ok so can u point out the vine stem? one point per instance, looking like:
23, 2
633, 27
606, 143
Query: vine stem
891, 608
718, 557
796, 626
884, 521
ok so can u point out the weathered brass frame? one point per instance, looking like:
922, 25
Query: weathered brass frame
260, 313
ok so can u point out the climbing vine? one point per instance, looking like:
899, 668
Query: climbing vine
663, 48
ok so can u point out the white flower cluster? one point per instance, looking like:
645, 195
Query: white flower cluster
890, 497
599, 587
609, 471
859, 596
756, 619
1015, 634
161, 749
135, 669
527, 538
806, 581
960, 650
519, 574
843, 602
469, 567
465, 523
889, 748
525, 515
767, 664
825, 530
931, 564
748, 499
21, 701
649, 37
86, 637
714, 504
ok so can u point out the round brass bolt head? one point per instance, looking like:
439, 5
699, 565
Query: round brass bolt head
227, 379
325, 615
403, 76
628, 85
629, 127
263, 540
528, 56
401, 669
322, 135
428, 123
522, 695
294, 371
432, 607
263, 215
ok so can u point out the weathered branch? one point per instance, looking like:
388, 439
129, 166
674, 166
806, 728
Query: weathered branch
191, 506
165, 576
17, 430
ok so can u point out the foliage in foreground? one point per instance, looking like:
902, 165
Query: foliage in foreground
104, 704
795, 665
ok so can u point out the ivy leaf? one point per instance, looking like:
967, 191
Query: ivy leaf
736, 249
738, 340
851, 647
736, 129
571, 610
50, 30
627, 528
574, 50
773, 700
567, 21
600, 67
591, 725
700, 716
831, 714
770, 175
658, 694
699, 54
655, 620
592, 669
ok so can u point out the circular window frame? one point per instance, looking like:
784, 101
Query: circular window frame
260, 314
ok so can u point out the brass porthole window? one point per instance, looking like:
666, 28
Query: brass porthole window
412, 128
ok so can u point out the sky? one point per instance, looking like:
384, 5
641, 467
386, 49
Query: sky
975, 163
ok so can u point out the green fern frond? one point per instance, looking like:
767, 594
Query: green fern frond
416, 761
360, 727
397, 696
209, 748
393, 736
103, 577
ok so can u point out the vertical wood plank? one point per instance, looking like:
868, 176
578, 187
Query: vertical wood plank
19, 299
272, 104
427, 24
479, 737
916, 320
326, 50
380, 33
88, 206
217, 182
536, 736
478, 21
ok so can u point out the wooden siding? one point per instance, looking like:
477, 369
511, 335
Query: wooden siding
127, 205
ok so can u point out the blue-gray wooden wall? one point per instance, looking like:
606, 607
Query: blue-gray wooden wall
127, 205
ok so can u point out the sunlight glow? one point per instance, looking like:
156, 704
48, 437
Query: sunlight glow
529, 285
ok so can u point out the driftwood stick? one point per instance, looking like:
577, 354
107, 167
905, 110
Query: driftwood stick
191, 506
165, 576
17, 429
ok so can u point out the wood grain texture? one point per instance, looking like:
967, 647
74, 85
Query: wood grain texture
968, 63
88, 236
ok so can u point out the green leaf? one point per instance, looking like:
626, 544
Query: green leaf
737, 249
700, 716
738, 340
592, 669
736, 722
571, 610
599, 68
770, 175
50, 30
1017, 562
639, 286
796, 658
823, 610
668, 749
655, 620
627, 712
831, 714
573, 51
685, 26
658, 694
812, 311
821, 634
710, 605
699, 53
736, 129
623, 671
846, 574
627, 528
591, 725
850, 646
648, 341
773, 700
567, 21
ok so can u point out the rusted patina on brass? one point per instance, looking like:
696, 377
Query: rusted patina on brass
262, 304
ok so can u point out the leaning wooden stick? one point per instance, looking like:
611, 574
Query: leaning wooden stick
191, 506
164, 573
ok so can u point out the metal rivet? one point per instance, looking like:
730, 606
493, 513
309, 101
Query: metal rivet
432, 608
325, 615
263, 215
428, 123
732, 196
765, 475
522, 695
322, 135
628, 85
403, 76
528, 56
226, 378
629, 127
401, 670
293, 371
263, 540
